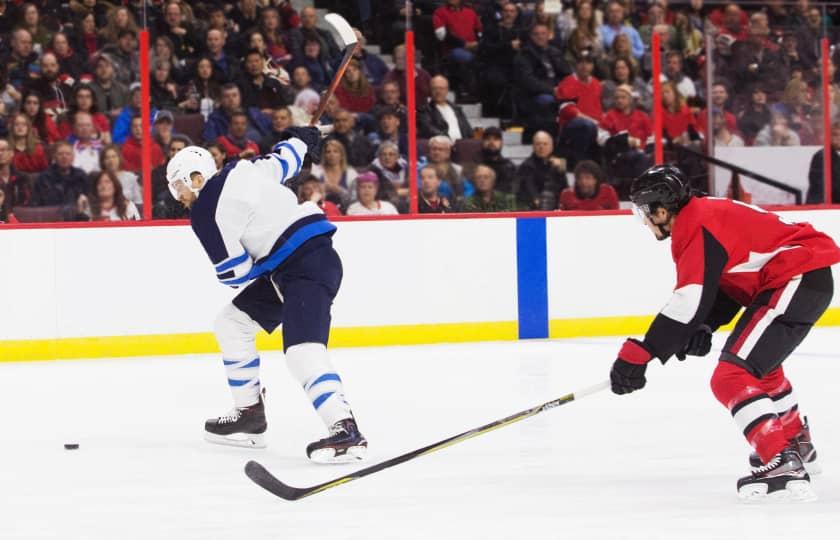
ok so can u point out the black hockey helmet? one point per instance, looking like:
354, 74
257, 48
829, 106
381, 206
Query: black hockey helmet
661, 185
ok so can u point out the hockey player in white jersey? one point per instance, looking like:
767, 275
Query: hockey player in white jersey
258, 237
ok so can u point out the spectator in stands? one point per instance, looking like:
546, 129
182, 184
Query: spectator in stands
180, 32
163, 50
8, 16
756, 59
30, 20
281, 118
218, 123
458, 28
440, 116
797, 105
355, 92
486, 198
755, 116
6, 215
132, 149
110, 94
579, 95
790, 57
581, 16
335, 173
807, 37
15, 187
278, 45
202, 94
105, 201
312, 190
694, 42
367, 203
110, 160
359, 149
542, 176
308, 30
122, 123
499, 44
373, 68
69, 60
720, 102
260, 91
301, 80
225, 65
491, 155
392, 170
320, 70
625, 118
816, 178
580, 43
731, 21
429, 200
164, 90
538, 68
678, 123
216, 151
61, 183
86, 146
87, 41
614, 25
422, 78
120, 19
674, 72
29, 154
22, 62
235, 144
306, 104
125, 56
724, 136
164, 205
83, 100
657, 22
590, 191
454, 186
45, 128
623, 72
50, 85
245, 14
389, 98
98, 9
777, 133
217, 20
388, 130
163, 129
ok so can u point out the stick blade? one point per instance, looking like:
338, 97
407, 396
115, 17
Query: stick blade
342, 28
260, 476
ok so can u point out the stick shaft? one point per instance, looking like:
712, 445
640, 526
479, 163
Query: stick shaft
348, 55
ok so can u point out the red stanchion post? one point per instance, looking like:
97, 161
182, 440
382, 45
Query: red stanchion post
411, 113
658, 155
145, 112
826, 91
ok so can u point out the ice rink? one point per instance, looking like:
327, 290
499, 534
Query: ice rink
658, 464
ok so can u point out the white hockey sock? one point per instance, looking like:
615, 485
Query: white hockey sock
236, 333
310, 365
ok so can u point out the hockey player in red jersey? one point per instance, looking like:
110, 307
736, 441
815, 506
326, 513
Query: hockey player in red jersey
731, 255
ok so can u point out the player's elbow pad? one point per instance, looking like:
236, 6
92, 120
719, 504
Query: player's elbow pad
235, 271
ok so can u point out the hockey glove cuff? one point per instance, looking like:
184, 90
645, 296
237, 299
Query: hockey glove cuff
628, 370
699, 344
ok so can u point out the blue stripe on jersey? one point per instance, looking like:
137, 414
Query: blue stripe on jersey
298, 161
282, 164
231, 263
203, 216
287, 244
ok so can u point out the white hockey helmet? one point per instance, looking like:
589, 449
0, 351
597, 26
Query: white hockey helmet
189, 160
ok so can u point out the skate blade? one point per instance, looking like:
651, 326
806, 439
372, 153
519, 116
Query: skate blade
795, 491
328, 455
242, 440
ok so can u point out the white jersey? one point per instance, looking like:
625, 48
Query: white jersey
248, 221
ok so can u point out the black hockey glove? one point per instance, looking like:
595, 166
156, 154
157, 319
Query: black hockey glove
628, 370
699, 344
310, 136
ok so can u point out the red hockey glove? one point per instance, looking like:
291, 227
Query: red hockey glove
628, 370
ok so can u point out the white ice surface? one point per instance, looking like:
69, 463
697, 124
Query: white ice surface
658, 464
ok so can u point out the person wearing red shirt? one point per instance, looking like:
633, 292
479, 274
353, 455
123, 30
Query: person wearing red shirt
676, 116
83, 100
458, 29
580, 110
720, 95
590, 191
630, 159
131, 150
29, 154
730, 255
731, 21
235, 144
355, 93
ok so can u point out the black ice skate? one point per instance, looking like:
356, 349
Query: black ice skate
784, 478
804, 445
240, 427
344, 445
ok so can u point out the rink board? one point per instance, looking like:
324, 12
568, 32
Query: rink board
91, 292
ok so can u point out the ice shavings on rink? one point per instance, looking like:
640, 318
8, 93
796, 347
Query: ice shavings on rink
658, 464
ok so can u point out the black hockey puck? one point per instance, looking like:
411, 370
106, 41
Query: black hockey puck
71, 446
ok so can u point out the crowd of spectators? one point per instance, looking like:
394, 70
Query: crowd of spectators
232, 75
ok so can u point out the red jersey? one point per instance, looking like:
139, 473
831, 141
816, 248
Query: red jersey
461, 22
728, 251
233, 149
605, 199
636, 124
587, 94
675, 124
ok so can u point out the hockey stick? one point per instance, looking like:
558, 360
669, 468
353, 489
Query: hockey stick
266, 480
348, 37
